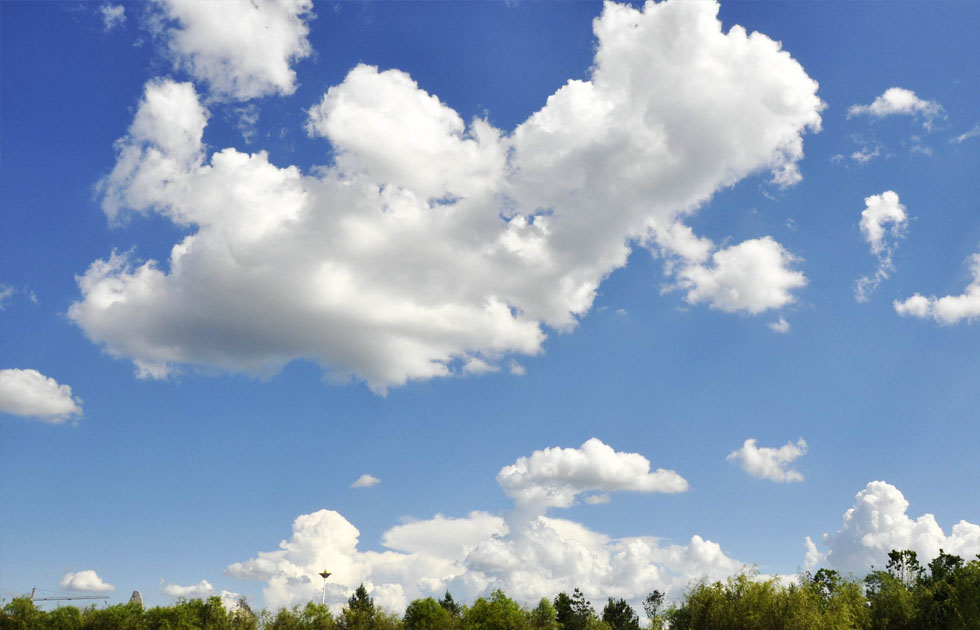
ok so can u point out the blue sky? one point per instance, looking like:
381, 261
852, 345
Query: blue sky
539, 270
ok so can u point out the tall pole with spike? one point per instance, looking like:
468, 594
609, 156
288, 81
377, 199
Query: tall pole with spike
324, 574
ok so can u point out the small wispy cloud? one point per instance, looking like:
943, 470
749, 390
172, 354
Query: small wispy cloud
883, 223
969, 135
113, 16
899, 101
780, 325
365, 481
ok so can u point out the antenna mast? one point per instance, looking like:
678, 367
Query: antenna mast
324, 574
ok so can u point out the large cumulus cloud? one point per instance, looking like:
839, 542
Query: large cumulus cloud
432, 246
528, 554
878, 522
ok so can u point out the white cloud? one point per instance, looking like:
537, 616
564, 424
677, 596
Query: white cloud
444, 537
365, 481
878, 523
963, 137
866, 154
85, 581
883, 223
201, 590
813, 557
950, 309
898, 100
598, 499
241, 48
753, 276
769, 463
30, 393
430, 244
780, 325
112, 16
554, 477
230, 600
528, 555
5, 292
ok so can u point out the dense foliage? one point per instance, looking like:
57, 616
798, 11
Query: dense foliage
945, 595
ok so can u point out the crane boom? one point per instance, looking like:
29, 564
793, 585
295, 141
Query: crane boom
48, 599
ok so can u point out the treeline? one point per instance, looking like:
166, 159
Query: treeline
945, 595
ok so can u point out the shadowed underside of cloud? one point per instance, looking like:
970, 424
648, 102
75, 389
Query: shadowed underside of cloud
433, 247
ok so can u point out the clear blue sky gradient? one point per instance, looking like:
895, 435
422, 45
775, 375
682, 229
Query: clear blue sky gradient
174, 480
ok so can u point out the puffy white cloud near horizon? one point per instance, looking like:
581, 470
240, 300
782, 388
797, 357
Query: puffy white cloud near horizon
769, 463
201, 590
883, 223
87, 581
32, 394
432, 246
950, 309
528, 554
878, 523
241, 48
896, 100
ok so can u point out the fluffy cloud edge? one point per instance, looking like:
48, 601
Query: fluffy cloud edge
884, 222
28, 393
555, 477
898, 101
87, 581
242, 49
878, 522
950, 309
472, 219
770, 463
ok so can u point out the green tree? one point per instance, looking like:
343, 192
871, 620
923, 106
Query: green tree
544, 616
447, 602
620, 615
63, 618
21, 614
427, 614
904, 565
498, 612
242, 617
892, 606
317, 617
360, 613
573, 613
118, 617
